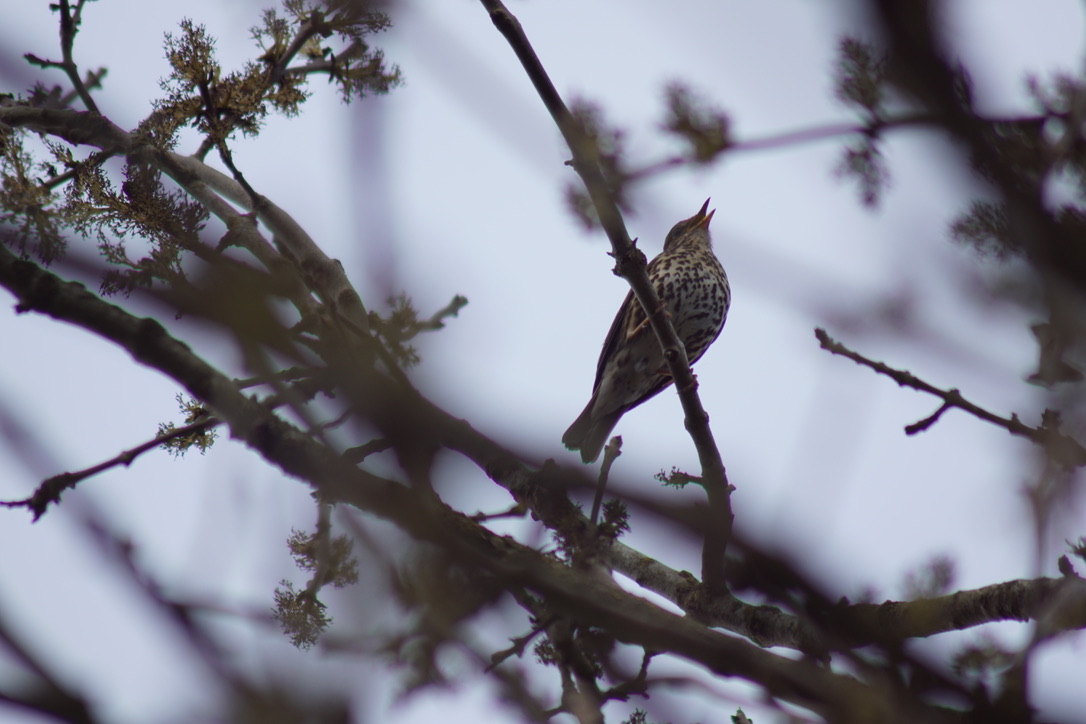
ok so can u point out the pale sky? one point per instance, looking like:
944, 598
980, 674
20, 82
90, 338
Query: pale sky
453, 184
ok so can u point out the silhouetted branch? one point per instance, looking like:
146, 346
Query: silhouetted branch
519, 644
610, 453
576, 593
1062, 449
789, 138
51, 490
69, 26
361, 452
814, 134
436, 320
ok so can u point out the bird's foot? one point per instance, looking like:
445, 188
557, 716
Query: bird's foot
645, 322
693, 384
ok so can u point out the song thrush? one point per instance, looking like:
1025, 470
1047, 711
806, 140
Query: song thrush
694, 290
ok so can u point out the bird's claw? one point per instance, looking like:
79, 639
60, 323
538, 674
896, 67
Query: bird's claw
693, 384
645, 322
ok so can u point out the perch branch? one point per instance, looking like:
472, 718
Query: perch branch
630, 264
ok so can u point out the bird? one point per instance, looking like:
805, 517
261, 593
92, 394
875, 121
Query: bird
694, 291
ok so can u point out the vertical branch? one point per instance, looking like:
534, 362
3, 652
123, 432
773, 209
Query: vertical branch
630, 265
610, 454
69, 26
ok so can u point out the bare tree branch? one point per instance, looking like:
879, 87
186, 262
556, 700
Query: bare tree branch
630, 264
591, 600
1063, 449
51, 490
69, 26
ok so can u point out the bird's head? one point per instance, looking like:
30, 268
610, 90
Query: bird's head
692, 231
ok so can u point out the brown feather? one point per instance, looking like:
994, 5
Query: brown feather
631, 369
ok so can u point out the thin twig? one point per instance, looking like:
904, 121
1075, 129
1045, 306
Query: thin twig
93, 82
639, 685
50, 490
927, 422
1062, 449
820, 133
519, 644
516, 511
451, 309
787, 138
290, 374
69, 26
431, 324
306, 30
610, 454
328, 65
95, 159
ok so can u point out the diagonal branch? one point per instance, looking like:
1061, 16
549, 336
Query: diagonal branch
1063, 449
543, 492
149, 344
578, 593
46, 693
325, 276
50, 490
590, 599
630, 264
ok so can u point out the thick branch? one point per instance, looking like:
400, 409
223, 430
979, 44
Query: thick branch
146, 340
75, 127
593, 601
636, 621
1011, 601
323, 275
582, 595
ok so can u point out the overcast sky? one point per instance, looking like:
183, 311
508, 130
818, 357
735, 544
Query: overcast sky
453, 184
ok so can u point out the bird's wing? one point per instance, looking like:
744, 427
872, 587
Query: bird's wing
629, 322
615, 336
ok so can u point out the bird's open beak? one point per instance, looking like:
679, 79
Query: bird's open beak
702, 218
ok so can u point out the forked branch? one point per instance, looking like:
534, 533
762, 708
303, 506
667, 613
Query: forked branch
1063, 449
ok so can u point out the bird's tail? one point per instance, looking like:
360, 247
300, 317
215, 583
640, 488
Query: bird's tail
589, 434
